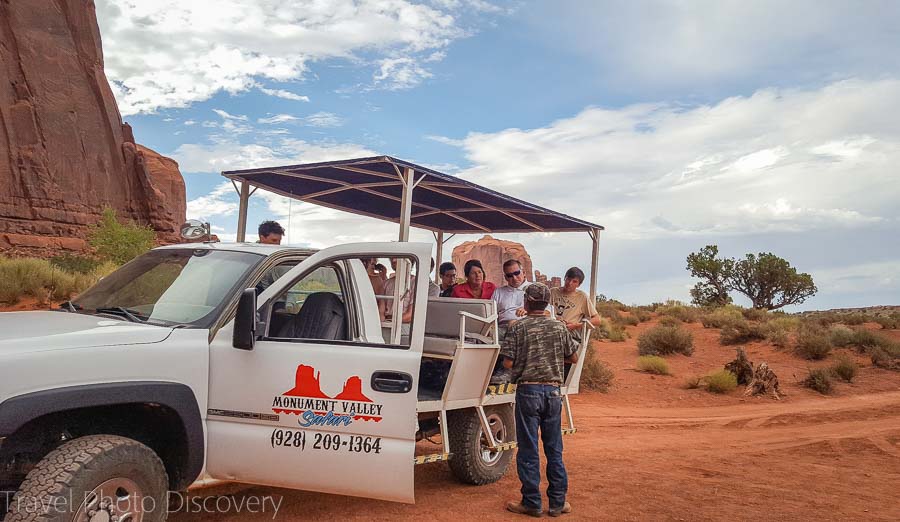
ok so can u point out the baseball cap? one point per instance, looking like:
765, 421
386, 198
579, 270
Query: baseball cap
537, 292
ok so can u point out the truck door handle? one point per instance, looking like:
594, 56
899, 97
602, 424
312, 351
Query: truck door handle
392, 382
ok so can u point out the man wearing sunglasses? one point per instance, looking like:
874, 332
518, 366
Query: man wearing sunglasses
510, 299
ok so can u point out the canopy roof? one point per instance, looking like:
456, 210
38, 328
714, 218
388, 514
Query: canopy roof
440, 202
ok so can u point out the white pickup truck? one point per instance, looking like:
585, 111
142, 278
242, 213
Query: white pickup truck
251, 363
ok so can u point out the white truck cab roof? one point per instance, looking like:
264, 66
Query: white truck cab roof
253, 248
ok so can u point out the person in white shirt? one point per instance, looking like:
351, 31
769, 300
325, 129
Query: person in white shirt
510, 299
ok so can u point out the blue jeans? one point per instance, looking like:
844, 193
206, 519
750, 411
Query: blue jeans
539, 406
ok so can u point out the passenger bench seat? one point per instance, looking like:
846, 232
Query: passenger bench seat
442, 322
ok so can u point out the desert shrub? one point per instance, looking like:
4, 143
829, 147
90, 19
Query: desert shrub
721, 381
118, 242
841, 336
756, 314
668, 320
679, 311
741, 332
888, 323
75, 264
854, 319
812, 344
777, 332
818, 379
653, 364
693, 382
596, 375
609, 312
663, 340
40, 279
609, 330
719, 317
888, 358
642, 315
867, 340
628, 320
844, 368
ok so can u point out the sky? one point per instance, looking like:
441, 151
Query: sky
760, 126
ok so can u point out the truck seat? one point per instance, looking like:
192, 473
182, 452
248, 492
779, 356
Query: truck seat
442, 322
322, 317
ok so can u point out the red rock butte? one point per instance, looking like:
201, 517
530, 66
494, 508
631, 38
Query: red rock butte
306, 384
64, 151
492, 253
353, 391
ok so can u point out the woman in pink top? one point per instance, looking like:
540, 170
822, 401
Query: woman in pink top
475, 286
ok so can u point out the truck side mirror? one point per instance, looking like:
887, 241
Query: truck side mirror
244, 336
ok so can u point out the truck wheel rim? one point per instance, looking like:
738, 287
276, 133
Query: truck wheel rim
498, 428
116, 500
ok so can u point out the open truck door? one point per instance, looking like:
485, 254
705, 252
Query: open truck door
317, 397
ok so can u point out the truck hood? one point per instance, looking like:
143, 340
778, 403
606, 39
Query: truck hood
47, 330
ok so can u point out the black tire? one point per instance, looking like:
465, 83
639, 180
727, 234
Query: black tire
63, 482
470, 462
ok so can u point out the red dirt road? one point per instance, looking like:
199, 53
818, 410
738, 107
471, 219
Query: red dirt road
650, 450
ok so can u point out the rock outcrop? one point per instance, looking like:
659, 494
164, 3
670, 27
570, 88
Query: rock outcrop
64, 151
492, 253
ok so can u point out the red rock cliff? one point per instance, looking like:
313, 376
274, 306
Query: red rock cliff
492, 253
64, 151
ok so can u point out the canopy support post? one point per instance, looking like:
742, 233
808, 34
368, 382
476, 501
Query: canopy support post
242, 212
439, 256
408, 180
595, 256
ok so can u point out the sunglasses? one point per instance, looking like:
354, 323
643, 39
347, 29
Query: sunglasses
513, 274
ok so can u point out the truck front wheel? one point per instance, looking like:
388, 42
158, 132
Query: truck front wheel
98, 477
473, 461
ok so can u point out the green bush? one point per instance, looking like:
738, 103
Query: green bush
819, 380
653, 364
854, 319
721, 381
888, 323
812, 344
663, 340
609, 330
844, 368
596, 375
777, 332
617, 334
720, 317
741, 332
117, 242
679, 311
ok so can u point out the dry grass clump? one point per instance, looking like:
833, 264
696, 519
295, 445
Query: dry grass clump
679, 311
693, 382
663, 340
38, 278
818, 379
628, 320
642, 315
609, 330
888, 323
844, 368
653, 364
841, 336
741, 332
596, 375
756, 314
812, 344
668, 320
721, 381
777, 332
721, 317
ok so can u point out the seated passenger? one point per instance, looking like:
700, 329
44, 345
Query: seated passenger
448, 278
385, 306
377, 276
433, 289
475, 286
572, 305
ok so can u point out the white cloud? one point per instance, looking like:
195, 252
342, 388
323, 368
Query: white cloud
324, 119
713, 45
213, 204
230, 155
319, 119
776, 160
278, 118
227, 116
400, 73
171, 53
281, 93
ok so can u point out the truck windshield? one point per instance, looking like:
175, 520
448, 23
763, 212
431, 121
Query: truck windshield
171, 286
